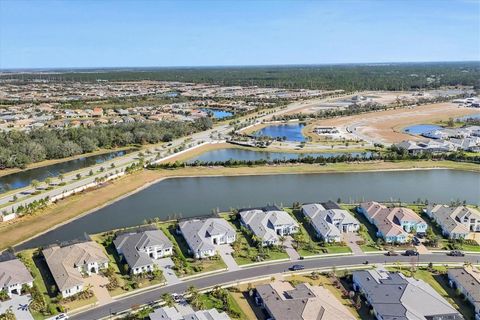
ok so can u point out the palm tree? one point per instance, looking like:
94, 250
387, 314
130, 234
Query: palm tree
167, 298
35, 183
48, 181
61, 177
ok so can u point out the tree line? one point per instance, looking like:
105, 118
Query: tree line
19, 148
393, 155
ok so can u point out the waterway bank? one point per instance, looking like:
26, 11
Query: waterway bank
83, 204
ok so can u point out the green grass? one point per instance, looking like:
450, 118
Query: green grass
194, 266
209, 302
247, 251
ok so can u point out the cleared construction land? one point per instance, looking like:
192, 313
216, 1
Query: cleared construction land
387, 126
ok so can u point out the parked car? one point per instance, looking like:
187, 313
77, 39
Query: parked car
297, 267
456, 253
416, 241
411, 253
391, 253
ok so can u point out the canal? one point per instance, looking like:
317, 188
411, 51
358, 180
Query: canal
24, 178
187, 197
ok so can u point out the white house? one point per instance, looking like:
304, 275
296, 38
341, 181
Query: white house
268, 225
203, 235
330, 224
69, 264
456, 222
139, 249
13, 275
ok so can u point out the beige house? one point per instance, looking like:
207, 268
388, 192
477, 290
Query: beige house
282, 301
456, 222
69, 264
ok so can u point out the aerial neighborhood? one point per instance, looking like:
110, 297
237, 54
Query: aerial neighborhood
163, 253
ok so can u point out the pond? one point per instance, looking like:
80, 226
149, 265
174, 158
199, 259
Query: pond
290, 131
187, 197
472, 116
24, 178
252, 155
420, 129
218, 113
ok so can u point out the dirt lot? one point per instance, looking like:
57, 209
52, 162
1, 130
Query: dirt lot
387, 126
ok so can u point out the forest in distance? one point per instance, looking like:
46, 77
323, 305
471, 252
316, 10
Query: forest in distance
350, 77
19, 148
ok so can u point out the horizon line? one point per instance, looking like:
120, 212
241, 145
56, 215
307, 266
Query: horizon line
125, 68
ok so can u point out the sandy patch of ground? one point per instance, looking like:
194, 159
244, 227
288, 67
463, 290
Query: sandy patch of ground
386, 126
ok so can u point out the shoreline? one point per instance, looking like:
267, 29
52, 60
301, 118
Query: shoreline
233, 174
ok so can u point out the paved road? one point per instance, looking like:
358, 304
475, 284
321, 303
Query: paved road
258, 271
24, 195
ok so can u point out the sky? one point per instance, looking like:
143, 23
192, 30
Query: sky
120, 33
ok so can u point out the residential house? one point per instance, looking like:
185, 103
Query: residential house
13, 275
139, 249
456, 222
393, 224
203, 235
69, 263
282, 301
268, 224
467, 281
186, 313
97, 112
391, 295
329, 224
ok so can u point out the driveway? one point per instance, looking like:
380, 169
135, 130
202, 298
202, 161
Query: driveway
351, 239
225, 251
166, 265
99, 288
19, 306
287, 245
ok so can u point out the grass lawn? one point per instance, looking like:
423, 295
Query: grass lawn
185, 265
235, 311
247, 251
44, 282
314, 246
326, 282
439, 282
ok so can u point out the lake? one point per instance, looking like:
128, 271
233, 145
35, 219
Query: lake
187, 197
472, 116
218, 113
251, 155
291, 131
24, 178
420, 129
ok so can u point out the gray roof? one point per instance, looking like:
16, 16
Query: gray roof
132, 246
263, 223
469, 280
13, 272
449, 217
395, 296
322, 218
170, 313
197, 232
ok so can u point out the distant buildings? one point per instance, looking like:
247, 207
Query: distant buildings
329, 221
140, 249
13, 275
282, 301
69, 264
394, 296
467, 281
456, 222
203, 235
393, 224
268, 224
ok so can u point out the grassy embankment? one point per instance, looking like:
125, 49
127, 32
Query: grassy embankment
72, 207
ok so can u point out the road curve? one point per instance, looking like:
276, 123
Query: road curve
258, 271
